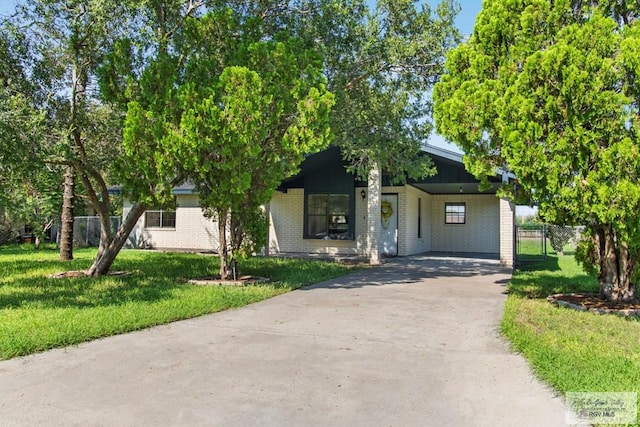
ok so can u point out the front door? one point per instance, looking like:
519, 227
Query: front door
389, 229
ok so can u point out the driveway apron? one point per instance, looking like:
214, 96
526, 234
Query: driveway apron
411, 343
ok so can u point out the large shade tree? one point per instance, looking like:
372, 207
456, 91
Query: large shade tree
69, 43
381, 60
64, 42
138, 76
382, 63
31, 188
378, 62
548, 91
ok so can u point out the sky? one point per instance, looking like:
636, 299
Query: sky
467, 16
7, 6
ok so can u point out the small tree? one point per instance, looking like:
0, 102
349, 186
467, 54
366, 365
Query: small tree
548, 90
244, 130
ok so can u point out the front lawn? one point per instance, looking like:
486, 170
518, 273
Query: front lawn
573, 351
39, 313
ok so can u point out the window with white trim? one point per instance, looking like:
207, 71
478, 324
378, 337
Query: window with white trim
161, 218
455, 213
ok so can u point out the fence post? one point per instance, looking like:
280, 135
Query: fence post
544, 241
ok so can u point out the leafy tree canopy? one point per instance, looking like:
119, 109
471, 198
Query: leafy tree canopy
31, 188
380, 62
234, 116
548, 90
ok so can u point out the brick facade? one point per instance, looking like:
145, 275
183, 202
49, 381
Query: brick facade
488, 227
480, 233
507, 233
373, 216
192, 232
286, 228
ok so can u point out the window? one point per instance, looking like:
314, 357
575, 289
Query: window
161, 218
454, 213
328, 216
419, 218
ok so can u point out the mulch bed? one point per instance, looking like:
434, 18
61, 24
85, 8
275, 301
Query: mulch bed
83, 273
593, 303
240, 281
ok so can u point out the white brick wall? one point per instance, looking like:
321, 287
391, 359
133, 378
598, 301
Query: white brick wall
287, 227
489, 226
361, 221
507, 233
193, 231
481, 233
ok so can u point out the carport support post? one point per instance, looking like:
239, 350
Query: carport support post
373, 215
507, 233
267, 212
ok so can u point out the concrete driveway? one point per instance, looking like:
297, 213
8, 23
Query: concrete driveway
410, 343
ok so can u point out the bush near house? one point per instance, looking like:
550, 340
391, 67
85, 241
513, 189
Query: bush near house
39, 313
572, 351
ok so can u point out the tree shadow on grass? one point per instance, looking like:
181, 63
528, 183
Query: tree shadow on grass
292, 273
543, 278
536, 263
85, 292
152, 280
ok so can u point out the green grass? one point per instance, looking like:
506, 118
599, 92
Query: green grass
39, 313
572, 351
532, 250
531, 247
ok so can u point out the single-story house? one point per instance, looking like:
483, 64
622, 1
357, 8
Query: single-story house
326, 210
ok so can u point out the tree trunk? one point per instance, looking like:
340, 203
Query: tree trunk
616, 265
66, 229
237, 237
102, 209
110, 251
223, 247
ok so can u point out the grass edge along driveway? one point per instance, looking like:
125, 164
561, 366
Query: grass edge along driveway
39, 313
570, 350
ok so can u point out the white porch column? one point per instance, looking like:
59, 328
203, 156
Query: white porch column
373, 215
507, 233
267, 212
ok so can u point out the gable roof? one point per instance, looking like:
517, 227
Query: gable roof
451, 176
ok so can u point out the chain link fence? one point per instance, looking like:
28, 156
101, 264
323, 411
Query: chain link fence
535, 242
86, 230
